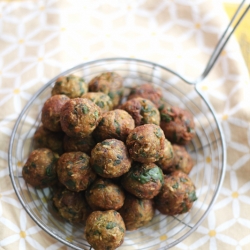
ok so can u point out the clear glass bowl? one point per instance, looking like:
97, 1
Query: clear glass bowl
207, 149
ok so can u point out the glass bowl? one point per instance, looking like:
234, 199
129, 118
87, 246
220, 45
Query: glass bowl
207, 150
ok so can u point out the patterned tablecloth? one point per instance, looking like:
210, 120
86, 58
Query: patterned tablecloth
39, 39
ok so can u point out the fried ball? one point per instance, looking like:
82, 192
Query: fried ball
71, 86
114, 124
167, 160
73, 144
72, 206
147, 91
40, 168
182, 160
136, 212
146, 143
142, 110
105, 230
79, 117
177, 194
74, 171
44, 138
103, 194
177, 124
110, 159
100, 99
143, 180
109, 83
51, 112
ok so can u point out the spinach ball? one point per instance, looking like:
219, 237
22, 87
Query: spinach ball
51, 112
109, 83
166, 162
71, 205
145, 143
74, 171
103, 194
147, 91
105, 230
178, 124
100, 99
44, 138
114, 124
40, 168
142, 110
110, 158
143, 180
177, 194
136, 212
73, 144
72, 86
79, 117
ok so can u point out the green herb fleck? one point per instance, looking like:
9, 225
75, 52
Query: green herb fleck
72, 212
70, 184
143, 154
59, 83
176, 185
111, 225
153, 174
184, 207
98, 169
152, 113
49, 170
141, 203
117, 162
120, 157
146, 109
83, 167
161, 107
117, 127
100, 104
82, 158
158, 133
111, 95
33, 165
183, 179
166, 118
190, 130
96, 233
105, 143
85, 109
134, 136
96, 114
192, 196
99, 217
81, 83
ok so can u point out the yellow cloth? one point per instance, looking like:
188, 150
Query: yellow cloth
242, 32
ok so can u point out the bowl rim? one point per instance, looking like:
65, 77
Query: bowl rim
65, 72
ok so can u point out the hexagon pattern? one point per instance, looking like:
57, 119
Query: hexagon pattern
41, 38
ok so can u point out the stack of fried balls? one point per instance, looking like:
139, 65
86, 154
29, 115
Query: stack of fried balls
112, 159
